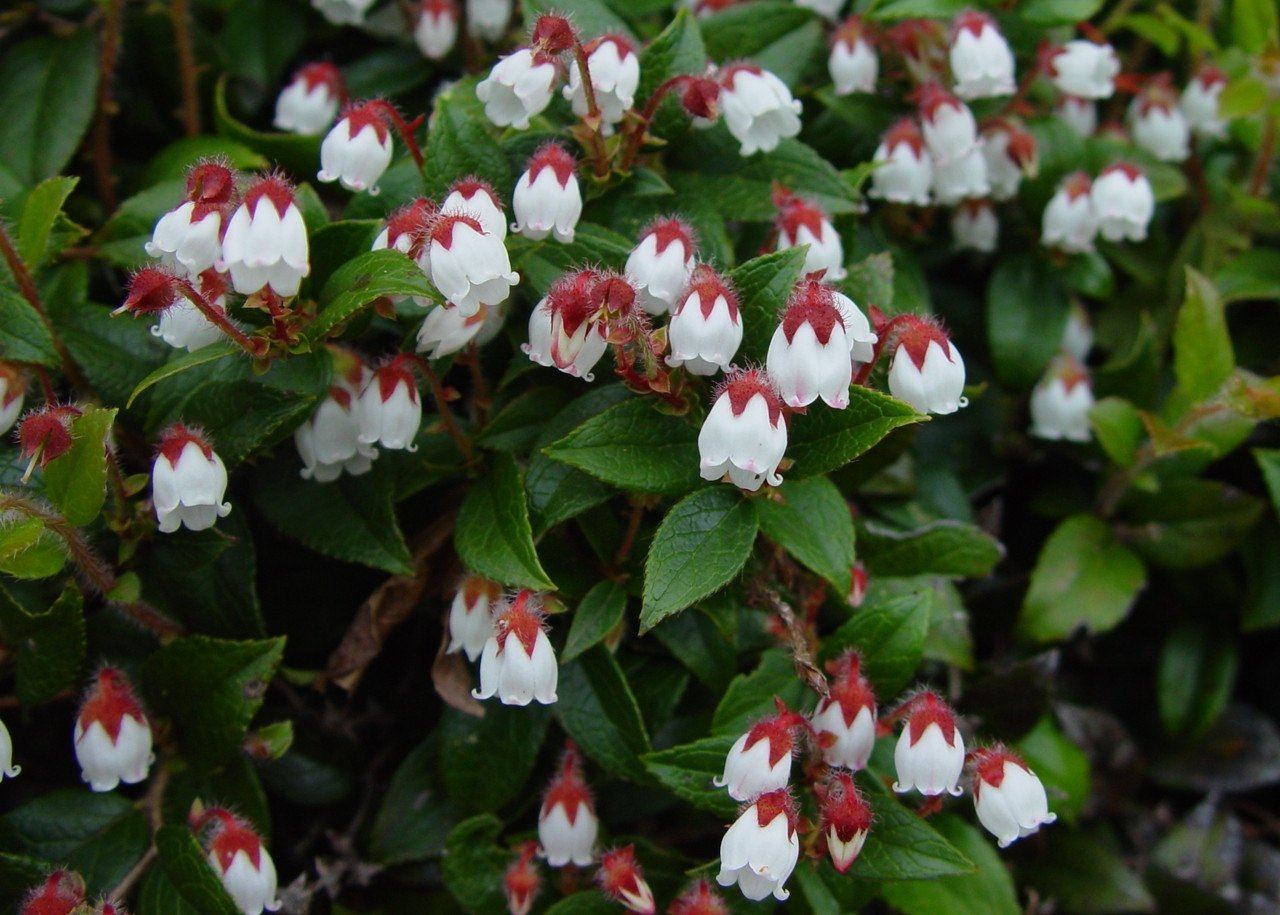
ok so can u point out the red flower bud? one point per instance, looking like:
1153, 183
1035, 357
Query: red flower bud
152, 290
622, 880
553, 34
700, 97
59, 895
46, 434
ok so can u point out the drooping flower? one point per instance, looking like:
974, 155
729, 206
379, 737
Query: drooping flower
567, 823
760, 760
45, 434
437, 30
445, 330
488, 19
950, 131
468, 265
265, 243
518, 88
189, 237
1083, 69
1157, 122
547, 198
471, 615
809, 355
329, 441
1200, 102
927, 371
759, 851
1069, 222
518, 664
981, 61
962, 178
845, 719
904, 172
846, 820
311, 101
929, 756
615, 76
974, 226
1010, 153
699, 899
622, 879
853, 63
477, 198
188, 481
521, 883
744, 435
1061, 401
1009, 798
1123, 202
240, 859
800, 222
357, 151
112, 734
184, 326
661, 263
757, 107
706, 327
343, 12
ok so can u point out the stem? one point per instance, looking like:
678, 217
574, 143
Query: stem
404, 128
480, 398
1195, 172
102, 161
636, 139
93, 569
186, 66
801, 648
599, 158
629, 538
446, 415
1266, 149
153, 804
220, 319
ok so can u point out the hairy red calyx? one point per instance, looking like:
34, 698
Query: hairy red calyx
699, 899
398, 371
710, 286
927, 709
814, 304
554, 156
850, 688
666, 231
568, 788
779, 730
843, 807
366, 114
442, 225
108, 701
904, 133
174, 440
521, 618
152, 291
773, 804
272, 188
46, 434
988, 766
742, 385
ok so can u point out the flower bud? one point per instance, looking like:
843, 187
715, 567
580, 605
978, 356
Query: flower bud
1157, 123
927, 371
188, 238
661, 263
744, 435
760, 850
241, 861
760, 760
518, 663
477, 198
950, 131
706, 328
929, 756
437, 28
188, 481
615, 76
522, 882
471, 615
845, 719
553, 34
1080, 114
265, 244
700, 97
112, 734
698, 899
183, 325
61, 894
846, 820
45, 434
802, 223
357, 151
488, 19
13, 390
622, 879
853, 63
547, 198
1009, 798
758, 108
809, 355
923, 46
981, 61
567, 823
1010, 153
1061, 402
576, 330
1123, 202
468, 265
310, 102
390, 410
974, 226
1070, 222
1200, 100
1083, 69
904, 172
517, 88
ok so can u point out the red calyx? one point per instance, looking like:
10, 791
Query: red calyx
523, 619
175, 439
396, 372
710, 286
1077, 185
621, 877
730, 73
973, 208
411, 220
973, 21
1211, 75
47, 432
916, 335
794, 212
928, 709
521, 882
932, 97
470, 185
441, 8
108, 701
914, 38
272, 188
360, 115
843, 807
777, 803
613, 294
667, 230
211, 186
1128, 169
699, 899
700, 97
852, 690
1071, 373
323, 73
152, 290
553, 34
905, 131
61, 892
570, 299
988, 766
229, 834
555, 157
814, 304
622, 43
442, 225
778, 729
341, 396
475, 587
1158, 92
743, 384
568, 788
850, 32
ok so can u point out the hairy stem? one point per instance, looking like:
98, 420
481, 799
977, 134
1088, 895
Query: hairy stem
636, 139
447, 418
405, 129
103, 165
1262, 164
187, 74
217, 317
595, 143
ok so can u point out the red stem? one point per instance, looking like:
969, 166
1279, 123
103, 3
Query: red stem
599, 158
442, 407
404, 128
220, 320
636, 139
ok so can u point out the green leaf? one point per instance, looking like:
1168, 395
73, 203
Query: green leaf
1188, 523
50, 646
870, 282
1195, 678
1083, 578
260, 37
1061, 765
949, 639
1118, 427
521, 420
493, 537
335, 243
360, 282
633, 446
676, 50
188, 870
687, 771
763, 285
889, 631
781, 37
47, 98
1250, 275
210, 689
40, 211
906, 847
943, 547
298, 153
590, 17
750, 696
1254, 24
914, 9
489, 759
697, 643
18, 874
28, 550
24, 337
459, 143
541, 263
176, 366
414, 820
811, 521
102, 836
1058, 12
698, 548
598, 710
1202, 355
473, 865
821, 441
1027, 308
76, 482
1269, 462
1085, 876
598, 613
987, 891
352, 518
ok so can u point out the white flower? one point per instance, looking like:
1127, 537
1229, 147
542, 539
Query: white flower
266, 241
184, 326
578, 332
744, 435
974, 226
950, 131
809, 355
929, 756
760, 760
242, 863
188, 481
981, 61
1008, 797
488, 19
1070, 222
1158, 124
446, 331
1080, 114
189, 237
476, 198
615, 76
904, 168
518, 664
759, 851
1123, 202
12, 395
112, 734
538, 349
801, 223
927, 371
468, 265
343, 12
857, 329
1061, 402
357, 150
845, 719
961, 178
853, 64
567, 822
706, 328
329, 441
1199, 103
437, 28
846, 819
310, 102
389, 409
757, 108
1084, 69
547, 198
471, 615
661, 263
1010, 153
517, 88
7, 768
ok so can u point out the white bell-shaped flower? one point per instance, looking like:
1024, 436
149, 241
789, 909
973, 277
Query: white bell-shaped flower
927, 371
1200, 100
390, 410
744, 435
266, 241
615, 76
547, 198
241, 861
446, 331
477, 198
950, 131
760, 850
974, 226
760, 760
800, 222
962, 178
1070, 223
1158, 124
1008, 797
1080, 114
929, 756
1084, 69
188, 238
904, 172
468, 265
471, 615
578, 331
1061, 402
758, 108
188, 481
1010, 154
538, 348
846, 820
310, 102
517, 88
1123, 202
112, 734
518, 664
488, 19
660, 264
437, 30
853, 63
809, 355
845, 719
567, 822
1077, 336
357, 151
706, 327
329, 441
981, 61
184, 326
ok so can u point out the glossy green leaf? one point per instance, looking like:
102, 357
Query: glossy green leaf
1188, 523
414, 818
597, 709
76, 482
595, 617
821, 441
988, 890
810, 520
763, 285
490, 759
189, 873
473, 865
40, 211
1202, 354
50, 645
750, 696
942, 547
1027, 308
1195, 678
889, 631
24, 337
362, 281
493, 536
687, 771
